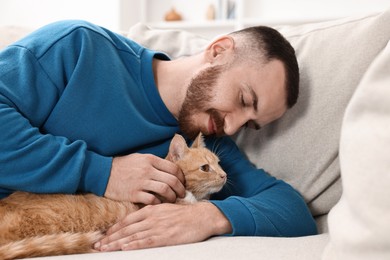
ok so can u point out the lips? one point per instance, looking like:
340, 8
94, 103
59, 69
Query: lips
212, 128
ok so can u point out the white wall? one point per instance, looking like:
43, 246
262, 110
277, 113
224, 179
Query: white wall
119, 15
313, 9
35, 13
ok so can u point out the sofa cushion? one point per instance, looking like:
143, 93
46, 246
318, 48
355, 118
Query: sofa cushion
176, 43
359, 223
302, 147
226, 248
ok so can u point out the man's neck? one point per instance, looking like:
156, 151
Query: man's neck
173, 78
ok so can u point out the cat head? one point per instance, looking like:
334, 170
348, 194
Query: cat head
200, 166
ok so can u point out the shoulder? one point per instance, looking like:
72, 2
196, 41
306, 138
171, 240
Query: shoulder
54, 31
65, 33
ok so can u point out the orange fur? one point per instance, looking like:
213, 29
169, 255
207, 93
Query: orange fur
55, 224
55, 244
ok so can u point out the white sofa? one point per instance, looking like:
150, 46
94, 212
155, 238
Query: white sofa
333, 146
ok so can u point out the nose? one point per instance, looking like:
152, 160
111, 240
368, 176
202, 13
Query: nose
234, 122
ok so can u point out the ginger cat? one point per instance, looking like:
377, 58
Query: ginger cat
56, 224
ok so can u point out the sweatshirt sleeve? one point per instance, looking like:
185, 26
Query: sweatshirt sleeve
31, 160
256, 203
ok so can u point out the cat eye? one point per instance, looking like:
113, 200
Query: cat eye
205, 168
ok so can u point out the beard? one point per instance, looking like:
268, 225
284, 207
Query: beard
199, 95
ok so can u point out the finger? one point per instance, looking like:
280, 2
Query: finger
163, 190
146, 198
169, 167
116, 239
130, 220
174, 185
142, 243
126, 243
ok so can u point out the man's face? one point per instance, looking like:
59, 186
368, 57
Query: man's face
220, 100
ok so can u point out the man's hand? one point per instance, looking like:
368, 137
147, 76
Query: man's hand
144, 178
165, 224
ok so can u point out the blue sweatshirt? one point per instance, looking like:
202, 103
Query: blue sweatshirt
73, 95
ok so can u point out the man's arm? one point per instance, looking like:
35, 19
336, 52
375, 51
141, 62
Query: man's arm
57, 122
44, 163
257, 204
30, 160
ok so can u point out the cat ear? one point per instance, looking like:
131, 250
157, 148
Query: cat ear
177, 148
199, 141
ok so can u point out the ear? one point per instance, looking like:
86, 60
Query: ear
177, 148
199, 141
219, 47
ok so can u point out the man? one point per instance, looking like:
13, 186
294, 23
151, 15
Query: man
83, 109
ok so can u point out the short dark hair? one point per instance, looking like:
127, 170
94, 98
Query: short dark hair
273, 45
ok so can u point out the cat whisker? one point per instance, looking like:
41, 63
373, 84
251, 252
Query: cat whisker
229, 186
213, 148
216, 149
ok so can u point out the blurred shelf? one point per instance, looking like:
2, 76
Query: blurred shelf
233, 15
193, 24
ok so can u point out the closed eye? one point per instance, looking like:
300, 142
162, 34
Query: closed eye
205, 168
243, 103
250, 124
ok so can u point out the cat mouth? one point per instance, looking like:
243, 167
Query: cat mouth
216, 188
218, 185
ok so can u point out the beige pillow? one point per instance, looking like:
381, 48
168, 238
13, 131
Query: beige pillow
302, 147
359, 224
175, 43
